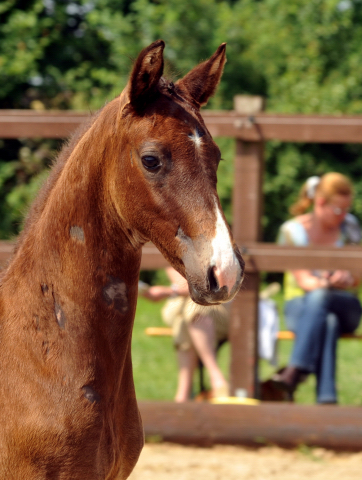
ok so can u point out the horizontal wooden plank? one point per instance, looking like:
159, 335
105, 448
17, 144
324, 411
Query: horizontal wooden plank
259, 257
260, 127
152, 259
33, 124
158, 331
275, 258
6, 251
288, 128
282, 334
281, 424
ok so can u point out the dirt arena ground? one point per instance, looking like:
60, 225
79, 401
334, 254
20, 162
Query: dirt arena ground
175, 462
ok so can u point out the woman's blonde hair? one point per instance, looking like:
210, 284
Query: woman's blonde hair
329, 184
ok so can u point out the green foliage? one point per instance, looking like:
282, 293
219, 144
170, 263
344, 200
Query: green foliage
20, 180
77, 54
225, 175
309, 51
303, 56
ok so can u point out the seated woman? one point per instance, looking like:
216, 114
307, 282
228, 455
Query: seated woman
320, 305
196, 333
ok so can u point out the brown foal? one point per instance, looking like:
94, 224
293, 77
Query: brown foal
144, 168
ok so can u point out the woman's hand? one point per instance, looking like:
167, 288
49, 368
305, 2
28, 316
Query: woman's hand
341, 279
158, 292
178, 287
309, 282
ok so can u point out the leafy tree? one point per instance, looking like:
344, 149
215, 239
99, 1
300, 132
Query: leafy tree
303, 56
308, 52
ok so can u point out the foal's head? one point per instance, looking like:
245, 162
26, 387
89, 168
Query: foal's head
163, 181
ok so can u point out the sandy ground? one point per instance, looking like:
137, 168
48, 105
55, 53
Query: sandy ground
175, 462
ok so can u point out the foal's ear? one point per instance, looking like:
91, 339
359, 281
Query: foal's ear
146, 73
201, 81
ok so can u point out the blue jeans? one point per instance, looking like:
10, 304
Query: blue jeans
318, 318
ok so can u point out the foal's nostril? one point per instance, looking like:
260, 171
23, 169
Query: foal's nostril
213, 283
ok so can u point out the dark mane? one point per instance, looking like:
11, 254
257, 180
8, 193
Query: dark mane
168, 88
56, 169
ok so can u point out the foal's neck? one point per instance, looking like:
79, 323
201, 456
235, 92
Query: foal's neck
75, 227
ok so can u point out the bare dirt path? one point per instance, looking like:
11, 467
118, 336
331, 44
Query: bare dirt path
174, 462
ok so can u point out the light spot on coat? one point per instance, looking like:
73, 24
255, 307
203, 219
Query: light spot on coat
59, 315
77, 233
115, 293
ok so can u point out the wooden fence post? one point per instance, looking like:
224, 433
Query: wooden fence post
247, 211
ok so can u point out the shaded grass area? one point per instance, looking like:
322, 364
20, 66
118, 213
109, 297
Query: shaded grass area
154, 359
155, 367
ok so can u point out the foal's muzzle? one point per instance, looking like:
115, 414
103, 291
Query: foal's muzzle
217, 286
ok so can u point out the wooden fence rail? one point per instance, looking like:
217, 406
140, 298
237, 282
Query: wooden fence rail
249, 128
266, 257
194, 423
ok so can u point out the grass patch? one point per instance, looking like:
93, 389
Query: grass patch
154, 359
155, 366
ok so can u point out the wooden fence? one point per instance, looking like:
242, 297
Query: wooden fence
250, 133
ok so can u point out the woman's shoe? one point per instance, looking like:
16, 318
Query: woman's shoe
280, 384
288, 379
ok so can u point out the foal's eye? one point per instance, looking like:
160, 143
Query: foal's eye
150, 162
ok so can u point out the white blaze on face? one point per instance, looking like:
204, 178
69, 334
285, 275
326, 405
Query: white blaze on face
224, 260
